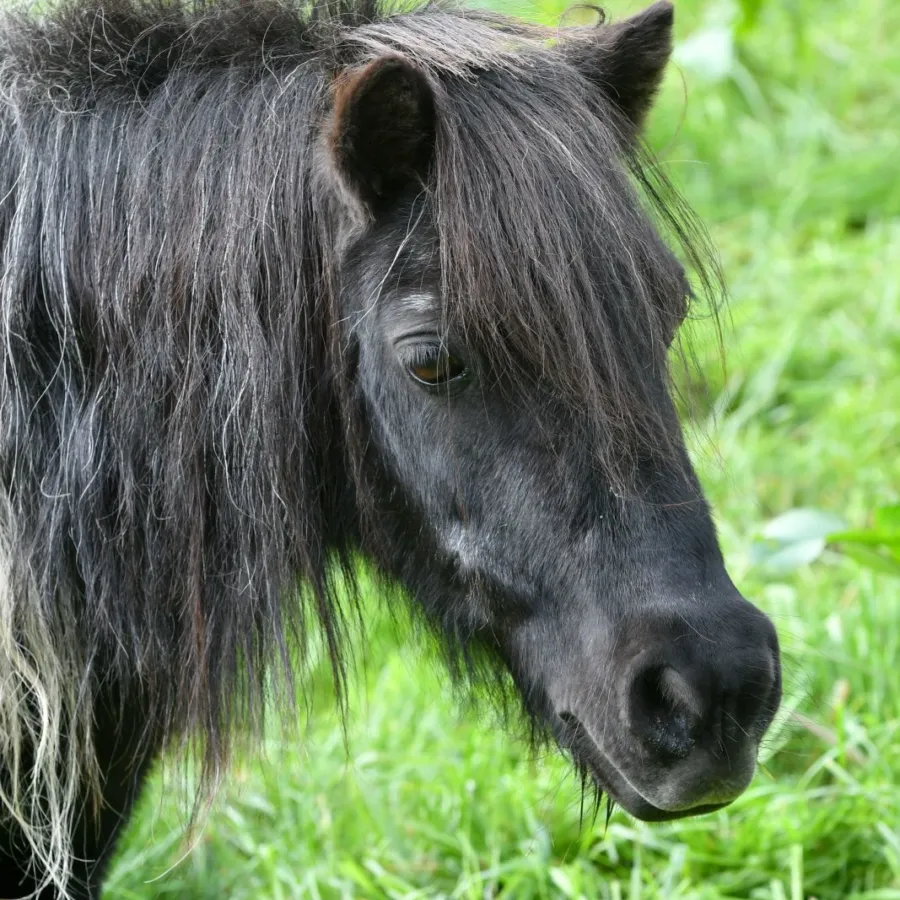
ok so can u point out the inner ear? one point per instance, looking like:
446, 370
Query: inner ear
381, 137
627, 59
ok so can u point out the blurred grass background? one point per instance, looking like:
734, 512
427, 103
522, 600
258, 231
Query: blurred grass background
781, 124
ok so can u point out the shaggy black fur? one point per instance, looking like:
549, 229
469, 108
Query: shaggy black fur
197, 202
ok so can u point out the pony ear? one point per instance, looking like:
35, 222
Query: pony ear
626, 59
382, 131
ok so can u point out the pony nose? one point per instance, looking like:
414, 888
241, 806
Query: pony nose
691, 698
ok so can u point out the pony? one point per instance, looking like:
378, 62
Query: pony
288, 285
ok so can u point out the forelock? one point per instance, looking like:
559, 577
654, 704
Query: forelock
550, 217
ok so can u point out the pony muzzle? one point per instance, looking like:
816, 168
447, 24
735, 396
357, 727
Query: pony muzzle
678, 729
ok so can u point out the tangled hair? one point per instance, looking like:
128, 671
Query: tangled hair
173, 413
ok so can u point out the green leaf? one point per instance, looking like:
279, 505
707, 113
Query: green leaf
870, 538
785, 557
802, 525
887, 520
872, 559
884, 533
794, 539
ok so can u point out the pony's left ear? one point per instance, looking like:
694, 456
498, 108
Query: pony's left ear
627, 59
381, 136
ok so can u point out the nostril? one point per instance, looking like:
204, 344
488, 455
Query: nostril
664, 712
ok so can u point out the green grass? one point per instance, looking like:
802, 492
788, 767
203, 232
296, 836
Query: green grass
793, 161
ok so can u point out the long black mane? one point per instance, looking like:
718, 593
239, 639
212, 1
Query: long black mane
175, 444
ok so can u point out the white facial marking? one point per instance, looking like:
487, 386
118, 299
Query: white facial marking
420, 303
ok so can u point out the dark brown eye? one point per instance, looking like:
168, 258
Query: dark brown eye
436, 367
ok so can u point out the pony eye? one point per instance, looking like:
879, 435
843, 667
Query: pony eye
436, 367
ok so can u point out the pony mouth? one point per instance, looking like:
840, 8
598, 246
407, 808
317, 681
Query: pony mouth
575, 737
